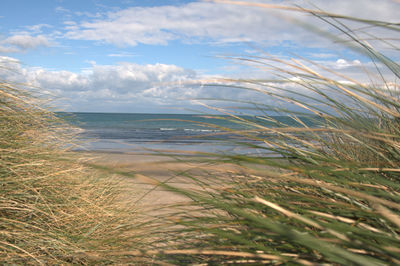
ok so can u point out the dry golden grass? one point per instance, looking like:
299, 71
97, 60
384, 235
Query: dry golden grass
53, 208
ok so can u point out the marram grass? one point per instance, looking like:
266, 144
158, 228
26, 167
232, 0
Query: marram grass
333, 193
331, 197
53, 208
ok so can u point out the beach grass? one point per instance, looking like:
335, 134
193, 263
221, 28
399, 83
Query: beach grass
325, 191
54, 209
331, 192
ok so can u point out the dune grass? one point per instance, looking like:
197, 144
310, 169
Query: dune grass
333, 193
53, 208
331, 196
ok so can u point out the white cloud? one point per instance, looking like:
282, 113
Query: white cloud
121, 55
22, 42
217, 22
130, 85
158, 25
9, 61
322, 55
61, 9
342, 63
88, 14
25, 42
126, 87
7, 50
37, 28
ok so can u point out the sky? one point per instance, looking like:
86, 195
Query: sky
145, 56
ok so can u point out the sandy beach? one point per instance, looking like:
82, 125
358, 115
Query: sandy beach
148, 169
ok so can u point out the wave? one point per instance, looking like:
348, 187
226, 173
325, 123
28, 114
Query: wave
201, 130
188, 129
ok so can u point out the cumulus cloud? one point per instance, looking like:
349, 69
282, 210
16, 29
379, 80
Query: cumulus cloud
342, 63
216, 22
124, 87
23, 42
27, 41
127, 84
128, 87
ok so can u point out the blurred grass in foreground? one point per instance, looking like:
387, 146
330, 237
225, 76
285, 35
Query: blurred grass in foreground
53, 208
333, 194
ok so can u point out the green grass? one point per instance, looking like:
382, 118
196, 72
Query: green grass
333, 195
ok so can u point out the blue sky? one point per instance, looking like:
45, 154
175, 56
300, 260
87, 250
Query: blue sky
138, 56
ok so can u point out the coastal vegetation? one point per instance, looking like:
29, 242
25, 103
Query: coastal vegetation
327, 193
324, 191
54, 209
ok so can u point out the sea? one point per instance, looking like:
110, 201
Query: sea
164, 133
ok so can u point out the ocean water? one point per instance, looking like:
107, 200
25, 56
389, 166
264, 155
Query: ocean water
121, 132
